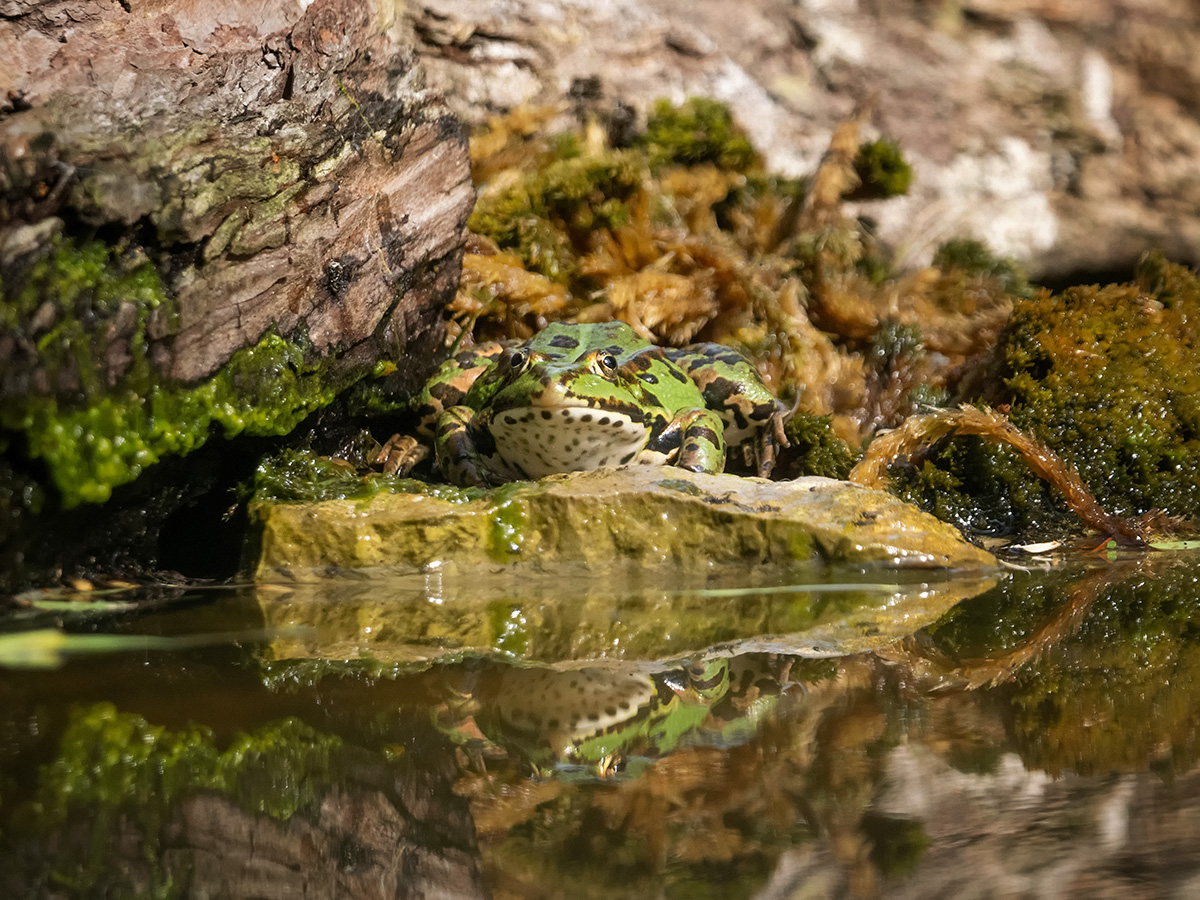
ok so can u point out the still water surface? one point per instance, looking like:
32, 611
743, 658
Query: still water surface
1032, 736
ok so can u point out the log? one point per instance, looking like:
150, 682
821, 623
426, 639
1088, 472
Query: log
215, 217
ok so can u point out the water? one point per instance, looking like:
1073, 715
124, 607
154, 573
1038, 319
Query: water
865, 736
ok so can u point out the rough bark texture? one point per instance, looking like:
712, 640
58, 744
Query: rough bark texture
215, 217
285, 170
1063, 133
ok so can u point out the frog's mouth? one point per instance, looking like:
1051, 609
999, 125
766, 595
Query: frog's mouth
543, 441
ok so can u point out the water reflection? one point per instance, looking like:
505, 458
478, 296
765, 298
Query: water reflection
1037, 740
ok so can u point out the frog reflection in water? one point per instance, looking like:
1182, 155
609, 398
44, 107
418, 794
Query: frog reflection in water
580, 397
597, 718
605, 720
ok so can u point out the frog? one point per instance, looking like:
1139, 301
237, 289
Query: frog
583, 396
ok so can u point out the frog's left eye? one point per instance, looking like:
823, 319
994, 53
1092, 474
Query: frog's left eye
608, 362
516, 360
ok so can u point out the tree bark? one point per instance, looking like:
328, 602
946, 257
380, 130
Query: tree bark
213, 214
282, 169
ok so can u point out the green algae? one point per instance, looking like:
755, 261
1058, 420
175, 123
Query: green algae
508, 513
109, 442
301, 476
115, 767
103, 433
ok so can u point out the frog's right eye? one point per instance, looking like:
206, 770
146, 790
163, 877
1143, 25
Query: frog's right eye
516, 360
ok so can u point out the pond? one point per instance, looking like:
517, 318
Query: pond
849, 733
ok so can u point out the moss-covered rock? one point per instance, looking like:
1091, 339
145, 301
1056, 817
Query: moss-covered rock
115, 770
575, 615
641, 515
1108, 378
1113, 643
97, 422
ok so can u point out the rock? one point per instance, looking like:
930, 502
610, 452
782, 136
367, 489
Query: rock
1063, 134
641, 516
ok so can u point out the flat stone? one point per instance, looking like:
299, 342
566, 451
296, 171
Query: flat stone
640, 516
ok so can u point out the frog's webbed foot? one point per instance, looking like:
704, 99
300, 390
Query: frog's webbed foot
400, 454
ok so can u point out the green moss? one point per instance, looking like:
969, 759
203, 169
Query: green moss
894, 345
698, 131
265, 389
113, 766
1109, 379
103, 434
974, 258
538, 214
815, 449
875, 269
983, 489
882, 170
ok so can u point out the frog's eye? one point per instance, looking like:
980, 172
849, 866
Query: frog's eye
516, 360
608, 362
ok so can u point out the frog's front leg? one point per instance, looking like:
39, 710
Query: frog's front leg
731, 385
695, 441
463, 454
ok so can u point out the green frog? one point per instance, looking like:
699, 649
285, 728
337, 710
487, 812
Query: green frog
576, 397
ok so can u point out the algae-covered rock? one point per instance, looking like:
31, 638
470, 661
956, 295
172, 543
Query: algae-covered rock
644, 516
613, 615
1109, 378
